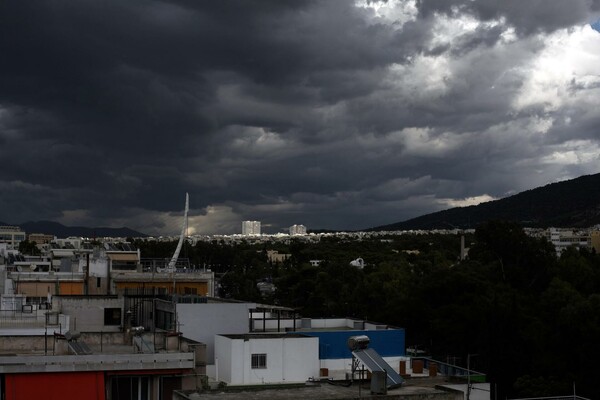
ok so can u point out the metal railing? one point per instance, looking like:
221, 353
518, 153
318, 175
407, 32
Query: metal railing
451, 370
569, 397
26, 319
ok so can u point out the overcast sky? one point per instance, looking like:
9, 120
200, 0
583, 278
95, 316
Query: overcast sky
332, 114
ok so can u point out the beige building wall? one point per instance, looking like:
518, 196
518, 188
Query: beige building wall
40, 238
42, 289
596, 241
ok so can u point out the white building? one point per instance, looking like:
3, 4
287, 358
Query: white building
263, 358
250, 227
13, 235
297, 230
333, 333
202, 322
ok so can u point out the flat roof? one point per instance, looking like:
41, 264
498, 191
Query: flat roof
266, 335
323, 390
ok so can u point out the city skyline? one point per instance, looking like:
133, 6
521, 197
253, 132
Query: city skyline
343, 115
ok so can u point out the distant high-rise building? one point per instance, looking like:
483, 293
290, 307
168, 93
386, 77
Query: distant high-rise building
297, 230
250, 227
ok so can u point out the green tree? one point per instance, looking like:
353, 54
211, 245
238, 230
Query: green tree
29, 248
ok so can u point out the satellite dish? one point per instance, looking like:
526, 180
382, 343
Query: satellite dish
33, 267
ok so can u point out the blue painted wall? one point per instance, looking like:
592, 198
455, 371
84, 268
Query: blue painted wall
334, 344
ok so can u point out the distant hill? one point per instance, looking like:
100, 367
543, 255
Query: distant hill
62, 231
574, 203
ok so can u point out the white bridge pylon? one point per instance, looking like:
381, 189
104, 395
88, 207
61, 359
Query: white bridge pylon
171, 266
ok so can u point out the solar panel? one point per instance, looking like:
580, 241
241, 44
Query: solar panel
374, 362
127, 247
143, 345
80, 348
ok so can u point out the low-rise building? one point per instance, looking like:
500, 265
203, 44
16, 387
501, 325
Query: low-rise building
333, 334
277, 258
273, 358
84, 348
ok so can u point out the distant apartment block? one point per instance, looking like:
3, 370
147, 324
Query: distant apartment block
40, 238
250, 227
563, 238
297, 230
13, 235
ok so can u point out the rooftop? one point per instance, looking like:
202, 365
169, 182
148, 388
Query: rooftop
266, 336
323, 390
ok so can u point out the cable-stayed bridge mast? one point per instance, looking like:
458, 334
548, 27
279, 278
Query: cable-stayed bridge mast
171, 266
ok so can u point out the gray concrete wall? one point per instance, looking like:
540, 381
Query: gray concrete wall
87, 313
201, 322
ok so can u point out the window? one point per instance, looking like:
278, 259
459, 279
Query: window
52, 318
259, 361
189, 290
98, 282
165, 320
112, 316
130, 387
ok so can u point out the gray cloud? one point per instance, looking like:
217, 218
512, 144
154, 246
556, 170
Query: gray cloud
530, 17
329, 114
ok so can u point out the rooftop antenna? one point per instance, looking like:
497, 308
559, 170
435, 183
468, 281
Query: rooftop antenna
173, 261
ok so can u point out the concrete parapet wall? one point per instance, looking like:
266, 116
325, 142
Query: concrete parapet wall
23, 344
96, 362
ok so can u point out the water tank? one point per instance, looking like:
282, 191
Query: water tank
358, 342
71, 335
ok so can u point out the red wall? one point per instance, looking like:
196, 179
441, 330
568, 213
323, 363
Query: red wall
55, 386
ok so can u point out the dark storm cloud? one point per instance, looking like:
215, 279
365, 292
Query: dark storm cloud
326, 113
527, 17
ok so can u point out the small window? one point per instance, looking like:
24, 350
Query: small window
259, 361
112, 316
98, 282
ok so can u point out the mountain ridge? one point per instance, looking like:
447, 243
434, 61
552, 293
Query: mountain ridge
62, 231
571, 203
